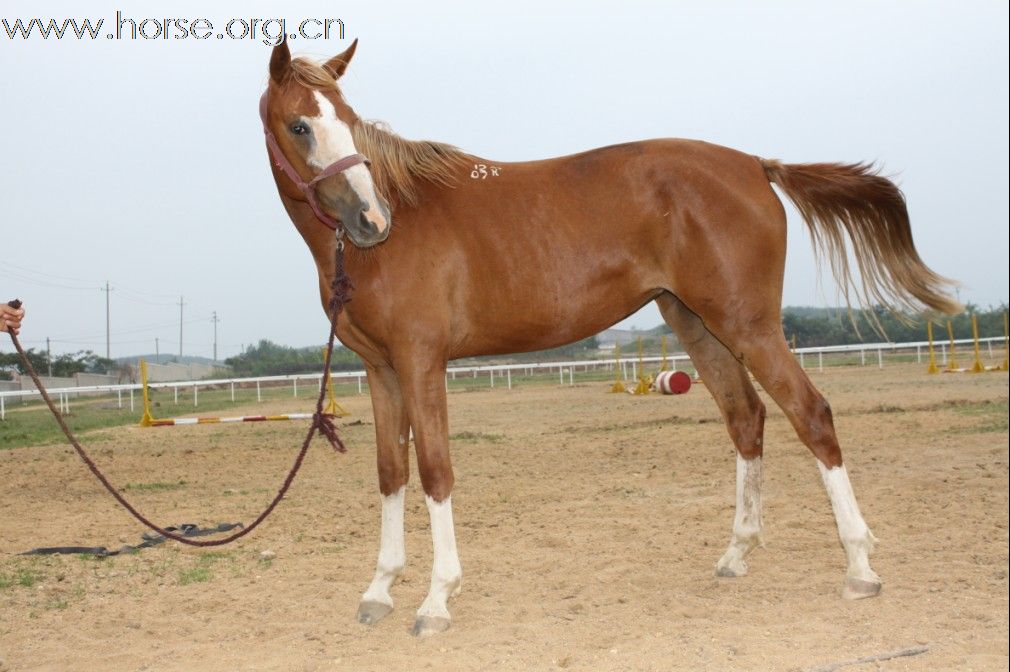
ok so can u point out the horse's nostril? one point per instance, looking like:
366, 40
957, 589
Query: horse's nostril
365, 222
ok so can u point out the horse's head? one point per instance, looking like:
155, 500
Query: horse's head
311, 123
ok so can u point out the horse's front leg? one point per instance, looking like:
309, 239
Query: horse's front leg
424, 394
392, 433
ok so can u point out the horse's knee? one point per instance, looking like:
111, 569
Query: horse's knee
820, 435
392, 476
746, 426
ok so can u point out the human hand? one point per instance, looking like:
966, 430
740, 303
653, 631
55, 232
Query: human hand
10, 317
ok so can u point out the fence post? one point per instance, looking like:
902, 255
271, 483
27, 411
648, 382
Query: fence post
802, 364
119, 398
820, 362
359, 384
3, 409
295, 383
880, 358
492, 378
259, 397
196, 396
233, 391
508, 372
862, 357
571, 377
175, 389
131, 401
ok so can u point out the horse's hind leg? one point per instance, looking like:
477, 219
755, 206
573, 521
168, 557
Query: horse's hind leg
759, 342
744, 413
392, 431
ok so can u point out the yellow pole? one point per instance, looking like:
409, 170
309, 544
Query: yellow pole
663, 342
794, 342
146, 420
332, 407
978, 366
643, 383
618, 383
951, 363
1006, 339
932, 368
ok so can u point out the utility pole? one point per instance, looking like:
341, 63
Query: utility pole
215, 321
49, 357
108, 349
157, 349
181, 304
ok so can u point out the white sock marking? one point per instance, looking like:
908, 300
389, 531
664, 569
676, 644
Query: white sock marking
747, 520
392, 553
852, 529
446, 573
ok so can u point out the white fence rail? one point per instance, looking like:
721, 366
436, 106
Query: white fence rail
497, 373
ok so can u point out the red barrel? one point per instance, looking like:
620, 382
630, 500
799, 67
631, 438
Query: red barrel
673, 382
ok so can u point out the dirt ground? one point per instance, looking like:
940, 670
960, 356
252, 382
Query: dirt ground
588, 528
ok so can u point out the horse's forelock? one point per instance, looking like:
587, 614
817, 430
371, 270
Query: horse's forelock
313, 75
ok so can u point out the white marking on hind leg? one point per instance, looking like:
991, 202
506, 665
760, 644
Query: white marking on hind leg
392, 554
446, 574
856, 537
747, 521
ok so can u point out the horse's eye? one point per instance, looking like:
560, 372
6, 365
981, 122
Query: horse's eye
298, 128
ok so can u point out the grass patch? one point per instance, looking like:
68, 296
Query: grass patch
474, 437
199, 574
25, 578
988, 417
157, 486
976, 408
637, 424
91, 557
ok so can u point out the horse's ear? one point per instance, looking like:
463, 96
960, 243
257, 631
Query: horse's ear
280, 62
338, 64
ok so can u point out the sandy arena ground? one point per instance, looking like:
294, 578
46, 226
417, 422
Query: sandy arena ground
588, 527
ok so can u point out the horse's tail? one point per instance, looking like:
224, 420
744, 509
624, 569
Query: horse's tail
837, 199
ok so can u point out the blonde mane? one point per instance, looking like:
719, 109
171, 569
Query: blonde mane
398, 165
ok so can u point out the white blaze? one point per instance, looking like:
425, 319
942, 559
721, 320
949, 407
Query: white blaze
333, 141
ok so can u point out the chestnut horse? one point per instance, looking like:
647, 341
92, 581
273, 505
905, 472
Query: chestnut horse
455, 256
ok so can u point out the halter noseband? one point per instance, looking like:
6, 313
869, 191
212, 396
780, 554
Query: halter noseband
307, 188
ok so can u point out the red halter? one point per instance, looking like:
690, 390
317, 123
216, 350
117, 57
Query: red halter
307, 188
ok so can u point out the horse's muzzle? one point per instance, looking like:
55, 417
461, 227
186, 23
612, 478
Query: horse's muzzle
363, 231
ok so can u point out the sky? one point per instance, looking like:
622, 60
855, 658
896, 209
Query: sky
141, 163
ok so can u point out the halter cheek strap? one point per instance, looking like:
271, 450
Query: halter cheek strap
307, 188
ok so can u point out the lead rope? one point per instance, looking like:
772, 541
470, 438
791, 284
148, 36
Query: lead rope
323, 422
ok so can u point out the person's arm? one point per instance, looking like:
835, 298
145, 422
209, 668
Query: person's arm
10, 318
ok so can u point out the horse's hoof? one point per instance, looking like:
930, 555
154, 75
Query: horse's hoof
370, 612
731, 569
857, 589
429, 625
